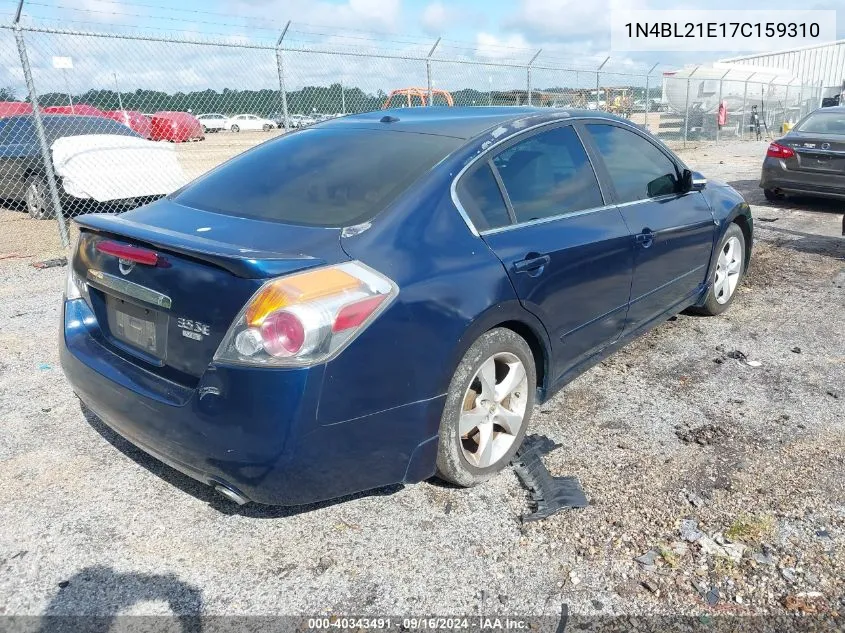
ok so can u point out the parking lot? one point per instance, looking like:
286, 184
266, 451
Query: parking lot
675, 435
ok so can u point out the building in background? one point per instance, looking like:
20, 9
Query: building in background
822, 65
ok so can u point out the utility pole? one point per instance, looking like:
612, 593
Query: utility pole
119, 98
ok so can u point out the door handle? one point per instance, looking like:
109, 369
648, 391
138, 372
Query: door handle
646, 238
533, 263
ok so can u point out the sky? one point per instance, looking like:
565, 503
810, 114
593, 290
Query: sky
574, 33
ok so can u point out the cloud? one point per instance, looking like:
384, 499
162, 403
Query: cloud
491, 46
375, 15
569, 19
438, 18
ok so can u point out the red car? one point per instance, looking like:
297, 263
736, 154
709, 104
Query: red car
132, 119
77, 108
13, 108
176, 127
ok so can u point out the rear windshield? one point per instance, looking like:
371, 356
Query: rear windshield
824, 123
319, 177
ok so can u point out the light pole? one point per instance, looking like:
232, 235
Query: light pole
119, 98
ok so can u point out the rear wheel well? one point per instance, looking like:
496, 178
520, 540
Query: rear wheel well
742, 222
537, 349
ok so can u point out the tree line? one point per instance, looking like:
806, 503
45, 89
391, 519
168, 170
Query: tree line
310, 99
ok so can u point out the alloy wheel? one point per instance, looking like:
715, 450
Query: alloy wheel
36, 202
728, 270
494, 409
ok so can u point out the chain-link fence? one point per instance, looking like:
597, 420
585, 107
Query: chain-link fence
120, 119
715, 105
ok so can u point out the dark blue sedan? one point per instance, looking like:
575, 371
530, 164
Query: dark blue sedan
385, 297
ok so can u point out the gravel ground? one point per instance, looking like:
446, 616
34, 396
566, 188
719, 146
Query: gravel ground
715, 486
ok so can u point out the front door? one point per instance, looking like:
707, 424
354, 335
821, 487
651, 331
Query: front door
673, 230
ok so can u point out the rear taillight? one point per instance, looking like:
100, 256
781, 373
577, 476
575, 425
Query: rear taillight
307, 317
779, 151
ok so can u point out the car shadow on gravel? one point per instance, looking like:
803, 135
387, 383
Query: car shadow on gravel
91, 599
753, 194
205, 493
811, 243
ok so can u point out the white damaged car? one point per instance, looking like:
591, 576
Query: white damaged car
98, 163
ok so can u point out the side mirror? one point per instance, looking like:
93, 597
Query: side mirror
692, 181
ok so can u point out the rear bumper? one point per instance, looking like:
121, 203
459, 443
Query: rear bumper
256, 431
825, 185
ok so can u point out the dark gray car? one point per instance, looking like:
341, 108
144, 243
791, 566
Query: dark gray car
810, 159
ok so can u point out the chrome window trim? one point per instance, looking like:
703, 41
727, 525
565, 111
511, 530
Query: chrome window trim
551, 218
128, 288
485, 155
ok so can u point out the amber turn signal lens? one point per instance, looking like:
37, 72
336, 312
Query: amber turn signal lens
300, 288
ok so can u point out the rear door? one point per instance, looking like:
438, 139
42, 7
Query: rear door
540, 208
673, 231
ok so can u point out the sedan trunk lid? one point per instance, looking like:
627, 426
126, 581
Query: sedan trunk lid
816, 153
166, 281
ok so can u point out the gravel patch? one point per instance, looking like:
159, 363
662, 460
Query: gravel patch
715, 486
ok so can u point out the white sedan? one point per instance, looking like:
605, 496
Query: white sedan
212, 122
249, 122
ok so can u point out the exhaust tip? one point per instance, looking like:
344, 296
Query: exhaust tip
231, 495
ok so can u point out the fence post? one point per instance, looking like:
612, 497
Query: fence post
280, 65
686, 105
598, 89
46, 158
428, 72
528, 74
648, 94
769, 106
745, 104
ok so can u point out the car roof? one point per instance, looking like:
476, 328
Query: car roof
68, 119
459, 122
839, 108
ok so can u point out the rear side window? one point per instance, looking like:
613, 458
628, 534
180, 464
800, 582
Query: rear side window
328, 178
637, 168
482, 199
77, 126
548, 174
17, 131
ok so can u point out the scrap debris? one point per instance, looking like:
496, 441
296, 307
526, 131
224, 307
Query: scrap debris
549, 494
50, 263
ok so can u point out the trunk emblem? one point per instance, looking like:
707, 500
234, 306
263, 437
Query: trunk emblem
825, 145
125, 266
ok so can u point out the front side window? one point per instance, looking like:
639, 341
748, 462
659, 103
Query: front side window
638, 169
548, 174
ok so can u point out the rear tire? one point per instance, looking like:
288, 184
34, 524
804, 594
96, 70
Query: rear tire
204, 130
37, 199
266, 127
727, 271
488, 408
